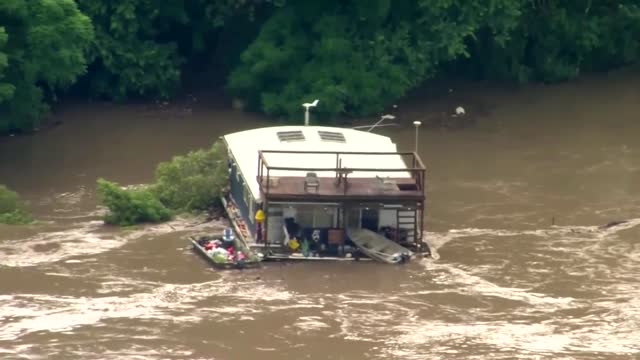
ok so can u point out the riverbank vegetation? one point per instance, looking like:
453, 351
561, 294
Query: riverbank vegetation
357, 56
12, 209
190, 183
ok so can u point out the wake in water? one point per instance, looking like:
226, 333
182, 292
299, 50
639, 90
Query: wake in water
564, 291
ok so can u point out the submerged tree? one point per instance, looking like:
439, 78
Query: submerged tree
12, 208
188, 183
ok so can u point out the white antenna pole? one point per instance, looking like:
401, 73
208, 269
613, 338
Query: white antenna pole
382, 118
417, 125
306, 110
306, 116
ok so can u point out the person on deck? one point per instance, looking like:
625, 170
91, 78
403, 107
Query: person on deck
259, 222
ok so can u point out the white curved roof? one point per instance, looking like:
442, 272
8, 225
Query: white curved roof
244, 146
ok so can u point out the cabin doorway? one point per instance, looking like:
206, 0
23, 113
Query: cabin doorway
370, 219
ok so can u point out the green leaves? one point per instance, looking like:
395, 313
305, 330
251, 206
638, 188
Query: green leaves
57, 39
6, 89
193, 182
12, 209
132, 206
357, 56
355, 68
129, 60
42, 45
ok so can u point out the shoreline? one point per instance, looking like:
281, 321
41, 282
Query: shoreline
433, 103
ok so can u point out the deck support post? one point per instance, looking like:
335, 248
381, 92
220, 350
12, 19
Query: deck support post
265, 225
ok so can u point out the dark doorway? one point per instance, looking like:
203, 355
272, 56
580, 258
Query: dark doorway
370, 219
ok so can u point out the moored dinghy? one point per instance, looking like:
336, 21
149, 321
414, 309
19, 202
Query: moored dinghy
379, 247
225, 251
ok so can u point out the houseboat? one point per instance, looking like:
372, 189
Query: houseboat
298, 192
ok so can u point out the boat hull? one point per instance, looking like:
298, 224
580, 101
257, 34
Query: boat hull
378, 247
252, 260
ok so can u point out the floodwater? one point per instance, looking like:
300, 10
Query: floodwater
522, 268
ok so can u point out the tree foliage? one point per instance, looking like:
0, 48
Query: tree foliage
356, 56
42, 50
142, 45
193, 182
12, 208
131, 206
553, 41
359, 56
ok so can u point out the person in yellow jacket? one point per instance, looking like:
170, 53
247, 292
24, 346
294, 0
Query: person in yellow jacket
259, 221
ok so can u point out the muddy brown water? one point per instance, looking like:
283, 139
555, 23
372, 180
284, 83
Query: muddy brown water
506, 282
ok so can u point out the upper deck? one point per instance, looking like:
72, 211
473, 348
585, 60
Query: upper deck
364, 157
291, 175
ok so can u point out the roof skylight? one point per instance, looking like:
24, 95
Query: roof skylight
332, 136
291, 136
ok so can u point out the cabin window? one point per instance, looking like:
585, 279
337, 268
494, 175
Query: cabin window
332, 136
285, 136
316, 217
323, 217
353, 218
304, 217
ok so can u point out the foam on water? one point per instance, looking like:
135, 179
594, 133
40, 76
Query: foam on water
406, 323
27, 313
81, 239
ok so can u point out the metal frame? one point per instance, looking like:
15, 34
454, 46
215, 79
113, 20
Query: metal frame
417, 171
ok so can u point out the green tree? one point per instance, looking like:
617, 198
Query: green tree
556, 41
357, 56
42, 47
142, 45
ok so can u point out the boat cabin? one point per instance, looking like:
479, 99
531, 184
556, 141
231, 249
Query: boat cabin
305, 186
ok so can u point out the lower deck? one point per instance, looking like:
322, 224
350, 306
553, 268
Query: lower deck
317, 231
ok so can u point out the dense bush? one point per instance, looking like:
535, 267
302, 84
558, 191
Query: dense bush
192, 182
12, 209
131, 206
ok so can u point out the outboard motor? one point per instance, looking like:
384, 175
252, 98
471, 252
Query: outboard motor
228, 236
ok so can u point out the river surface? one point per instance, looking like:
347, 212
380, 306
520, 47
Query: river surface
522, 268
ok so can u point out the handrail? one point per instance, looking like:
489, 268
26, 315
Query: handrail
415, 157
339, 152
417, 170
344, 169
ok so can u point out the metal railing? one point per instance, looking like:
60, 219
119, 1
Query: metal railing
417, 168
